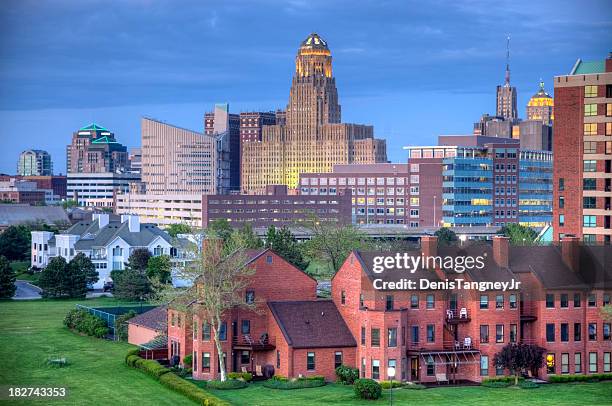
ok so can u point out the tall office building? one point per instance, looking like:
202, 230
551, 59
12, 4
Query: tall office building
506, 94
583, 152
176, 160
540, 106
94, 149
313, 138
34, 162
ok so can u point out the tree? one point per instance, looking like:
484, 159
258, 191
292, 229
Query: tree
446, 236
15, 243
52, 278
121, 327
518, 234
158, 269
519, 357
220, 228
284, 244
7, 279
70, 203
333, 242
246, 237
139, 259
606, 312
131, 284
80, 274
179, 228
218, 277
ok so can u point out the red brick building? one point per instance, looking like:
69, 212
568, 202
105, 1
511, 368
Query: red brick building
552, 298
582, 143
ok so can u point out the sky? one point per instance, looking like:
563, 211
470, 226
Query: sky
413, 69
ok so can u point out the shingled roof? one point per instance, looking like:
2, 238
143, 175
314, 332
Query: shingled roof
312, 324
93, 236
154, 319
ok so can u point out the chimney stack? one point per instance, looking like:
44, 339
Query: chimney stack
429, 245
133, 222
501, 251
570, 251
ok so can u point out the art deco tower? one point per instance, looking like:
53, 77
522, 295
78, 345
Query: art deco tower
506, 94
312, 139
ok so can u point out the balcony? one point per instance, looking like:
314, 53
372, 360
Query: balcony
455, 316
246, 342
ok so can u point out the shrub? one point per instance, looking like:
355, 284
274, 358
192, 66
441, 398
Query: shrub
170, 380
279, 378
243, 376
415, 386
509, 379
496, 384
579, 378
84, 322
131, 360
389, 384
121, 326
367, 389
528, 385
227, 384
153, 368
133, 351
298, 383
188, 361
346, 375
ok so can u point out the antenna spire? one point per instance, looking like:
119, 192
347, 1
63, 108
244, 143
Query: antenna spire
507, 82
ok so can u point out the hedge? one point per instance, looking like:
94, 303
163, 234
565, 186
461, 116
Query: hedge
86, 323
190, 390
133, 351
579, 378
244, 376
280, 382
388, 384
509, 379
496, 384
367, 389
227, 384
415, 386
528, 385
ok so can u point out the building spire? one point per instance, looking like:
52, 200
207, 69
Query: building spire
507, 81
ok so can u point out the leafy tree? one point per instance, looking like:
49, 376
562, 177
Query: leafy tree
518, 234
158, 269
332, 242
131, 284
519, 357
446, 236
80, 274
121, 327
139, 259
179, 228
606, 312
52, 278
7, 279
220, 228
70, 203
246, 237
15, 243
284, 244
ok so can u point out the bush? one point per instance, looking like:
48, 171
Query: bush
367, 389
228, 384
84, 322
153, 368
579, 378
528, 385
346, 375
496, 384
509, 379
133, 351
170, 380
415, 386
188, 361
280, 382
389, 384
243, 376
121, 326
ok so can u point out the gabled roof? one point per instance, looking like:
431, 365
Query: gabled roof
92, 236
312, 324
93, 127
154, 319
588, 67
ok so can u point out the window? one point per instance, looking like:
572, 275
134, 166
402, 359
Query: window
337, 359
564, 332
361, 300
310, 361
590, 91
577, 363
561, 202
590, 147
375, 369
250, 297
499, 301
606, 331
512, 301
606, 299
590, 110
157, 251
278, 359
561, 184
431, 302
342, 297
194, 361
414, 301
392, 337
246, 327
589, 221
550, 332
592, 331
577, 332
563, 302
513, 330
431, 367
179, 320
269, 259
363, 367
363, 335
606, 363
590, 128
484, 333
589, 165
389, 302
223, 331
484, 365
499, 333
550, 368
592, 362
589, 202
577, 299
484, 301
205, 331
195, 330
245, 357
173, 320
550, 300
431, 333
589, 184
565, 363
391, 363
414, 334
375, 337
205, 361
592, 300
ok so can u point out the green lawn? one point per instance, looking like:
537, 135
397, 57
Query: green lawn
558, 394
31, 331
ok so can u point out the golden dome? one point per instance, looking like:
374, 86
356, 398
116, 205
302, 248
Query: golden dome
314, 45
541, 98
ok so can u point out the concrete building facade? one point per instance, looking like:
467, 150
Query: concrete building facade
163, 209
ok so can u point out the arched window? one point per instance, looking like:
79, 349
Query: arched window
158, 250
117, 251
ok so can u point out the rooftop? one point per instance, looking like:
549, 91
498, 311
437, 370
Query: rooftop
588, 67
154, 319
93, 127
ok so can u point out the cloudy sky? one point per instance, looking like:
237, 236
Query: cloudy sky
413, 69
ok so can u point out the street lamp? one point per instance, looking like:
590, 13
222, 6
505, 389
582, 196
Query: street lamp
391, 375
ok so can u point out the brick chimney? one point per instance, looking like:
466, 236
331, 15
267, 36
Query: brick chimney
429, 245
501, 251
570, 252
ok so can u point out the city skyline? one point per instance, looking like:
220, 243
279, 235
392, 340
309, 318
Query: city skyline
58, 78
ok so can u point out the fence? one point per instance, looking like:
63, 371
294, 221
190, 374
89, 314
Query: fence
109, 314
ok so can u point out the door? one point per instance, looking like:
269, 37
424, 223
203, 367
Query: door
414, 369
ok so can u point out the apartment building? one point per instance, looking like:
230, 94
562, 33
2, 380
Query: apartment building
161, 209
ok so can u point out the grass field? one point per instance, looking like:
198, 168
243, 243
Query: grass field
32, 331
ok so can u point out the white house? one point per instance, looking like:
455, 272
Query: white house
107, 243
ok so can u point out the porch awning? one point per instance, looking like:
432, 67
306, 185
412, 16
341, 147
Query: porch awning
459, 357
158, 343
